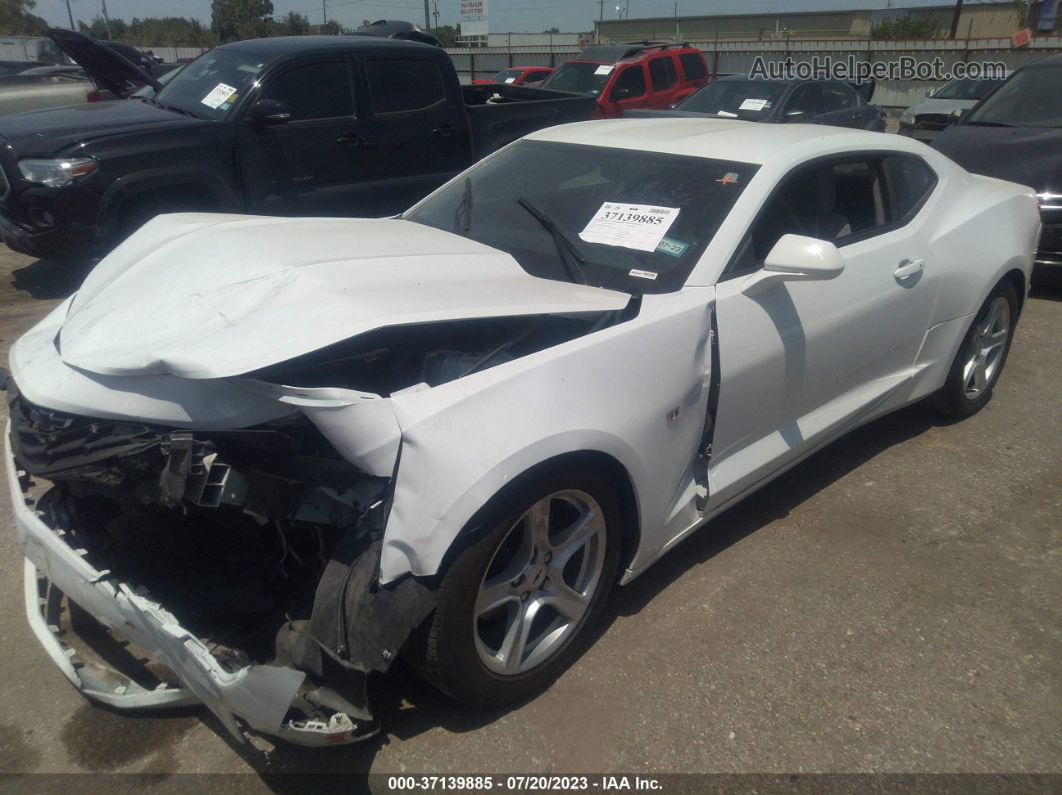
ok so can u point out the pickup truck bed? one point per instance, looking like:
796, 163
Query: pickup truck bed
499, 114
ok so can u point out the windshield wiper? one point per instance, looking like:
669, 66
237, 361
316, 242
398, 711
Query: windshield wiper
464, 207
176, 109
573, 261
989, 124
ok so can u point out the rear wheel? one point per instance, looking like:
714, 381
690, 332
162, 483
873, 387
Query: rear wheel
981, 356
517, 606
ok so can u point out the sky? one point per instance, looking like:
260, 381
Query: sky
505, 15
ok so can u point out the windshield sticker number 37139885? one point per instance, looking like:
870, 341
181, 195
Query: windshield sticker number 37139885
637, 226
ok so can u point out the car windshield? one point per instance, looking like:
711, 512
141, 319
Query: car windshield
1031, 98
210, 85
580, 77
965, 88
744, 99
507, 76
147, 92
619, 218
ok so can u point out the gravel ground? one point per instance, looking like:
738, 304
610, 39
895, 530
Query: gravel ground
893, 604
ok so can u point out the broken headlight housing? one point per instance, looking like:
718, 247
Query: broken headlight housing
58, 172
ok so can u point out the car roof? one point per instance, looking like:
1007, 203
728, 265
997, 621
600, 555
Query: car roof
1050, 60
281, 46
613, 53
724, 139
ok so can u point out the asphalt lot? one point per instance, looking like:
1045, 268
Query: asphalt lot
893, 604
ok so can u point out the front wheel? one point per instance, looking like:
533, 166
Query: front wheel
517, 606
981, 356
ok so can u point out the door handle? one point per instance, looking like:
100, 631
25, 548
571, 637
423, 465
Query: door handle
907, 269
445, 131
357, 141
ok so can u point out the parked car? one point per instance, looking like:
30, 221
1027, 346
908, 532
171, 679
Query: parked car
266, 126
518, 76
320, 442
782, 101
1015, 133
627, 76
926, 119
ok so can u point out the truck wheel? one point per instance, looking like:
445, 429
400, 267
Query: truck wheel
517, 606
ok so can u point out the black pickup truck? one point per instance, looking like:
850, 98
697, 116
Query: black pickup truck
307, 125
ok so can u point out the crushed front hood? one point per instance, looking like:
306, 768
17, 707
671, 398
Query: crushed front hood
200, 295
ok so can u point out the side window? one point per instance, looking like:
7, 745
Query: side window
662, 73
402, 85
314, 91
629, 83
534, 77
693, 66
805, 100
837, 202
910, 183
836, 96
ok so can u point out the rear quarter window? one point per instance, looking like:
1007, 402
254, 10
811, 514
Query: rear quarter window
693, 66
912, 182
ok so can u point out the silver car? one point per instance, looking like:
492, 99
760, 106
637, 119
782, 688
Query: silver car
926, 119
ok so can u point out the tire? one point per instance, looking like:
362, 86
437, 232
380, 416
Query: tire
973, 375
465, 649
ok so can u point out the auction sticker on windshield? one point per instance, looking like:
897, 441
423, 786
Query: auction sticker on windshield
637, 226
604, 69
754, 104
218, 95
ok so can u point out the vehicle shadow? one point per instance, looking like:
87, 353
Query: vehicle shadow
407, 706
50, 279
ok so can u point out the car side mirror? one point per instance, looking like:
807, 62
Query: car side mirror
622, 93
958, 115
269, 111
795, 258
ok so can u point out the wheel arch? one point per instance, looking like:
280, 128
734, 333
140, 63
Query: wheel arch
618, 474
173, 181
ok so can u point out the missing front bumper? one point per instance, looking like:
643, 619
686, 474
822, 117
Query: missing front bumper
258, 697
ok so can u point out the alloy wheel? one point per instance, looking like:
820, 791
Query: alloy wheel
540, 583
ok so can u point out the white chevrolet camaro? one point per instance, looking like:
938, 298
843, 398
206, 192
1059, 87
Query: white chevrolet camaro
272, 454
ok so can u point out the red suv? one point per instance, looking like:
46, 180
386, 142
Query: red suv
634, 75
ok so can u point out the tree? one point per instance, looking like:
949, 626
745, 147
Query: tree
241, 19
97, 29
906, 27
16, 19
295, 24
552, 30
447, 34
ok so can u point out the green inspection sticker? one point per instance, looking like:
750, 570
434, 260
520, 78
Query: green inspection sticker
676, 248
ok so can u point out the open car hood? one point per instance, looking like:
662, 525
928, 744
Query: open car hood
111, 70
201, 295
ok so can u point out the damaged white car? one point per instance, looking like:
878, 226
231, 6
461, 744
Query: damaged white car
269, 455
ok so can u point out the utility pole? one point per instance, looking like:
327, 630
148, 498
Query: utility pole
106, 19
628, 14
427, 16
435, 14
70, 14
324, 14
955, 19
